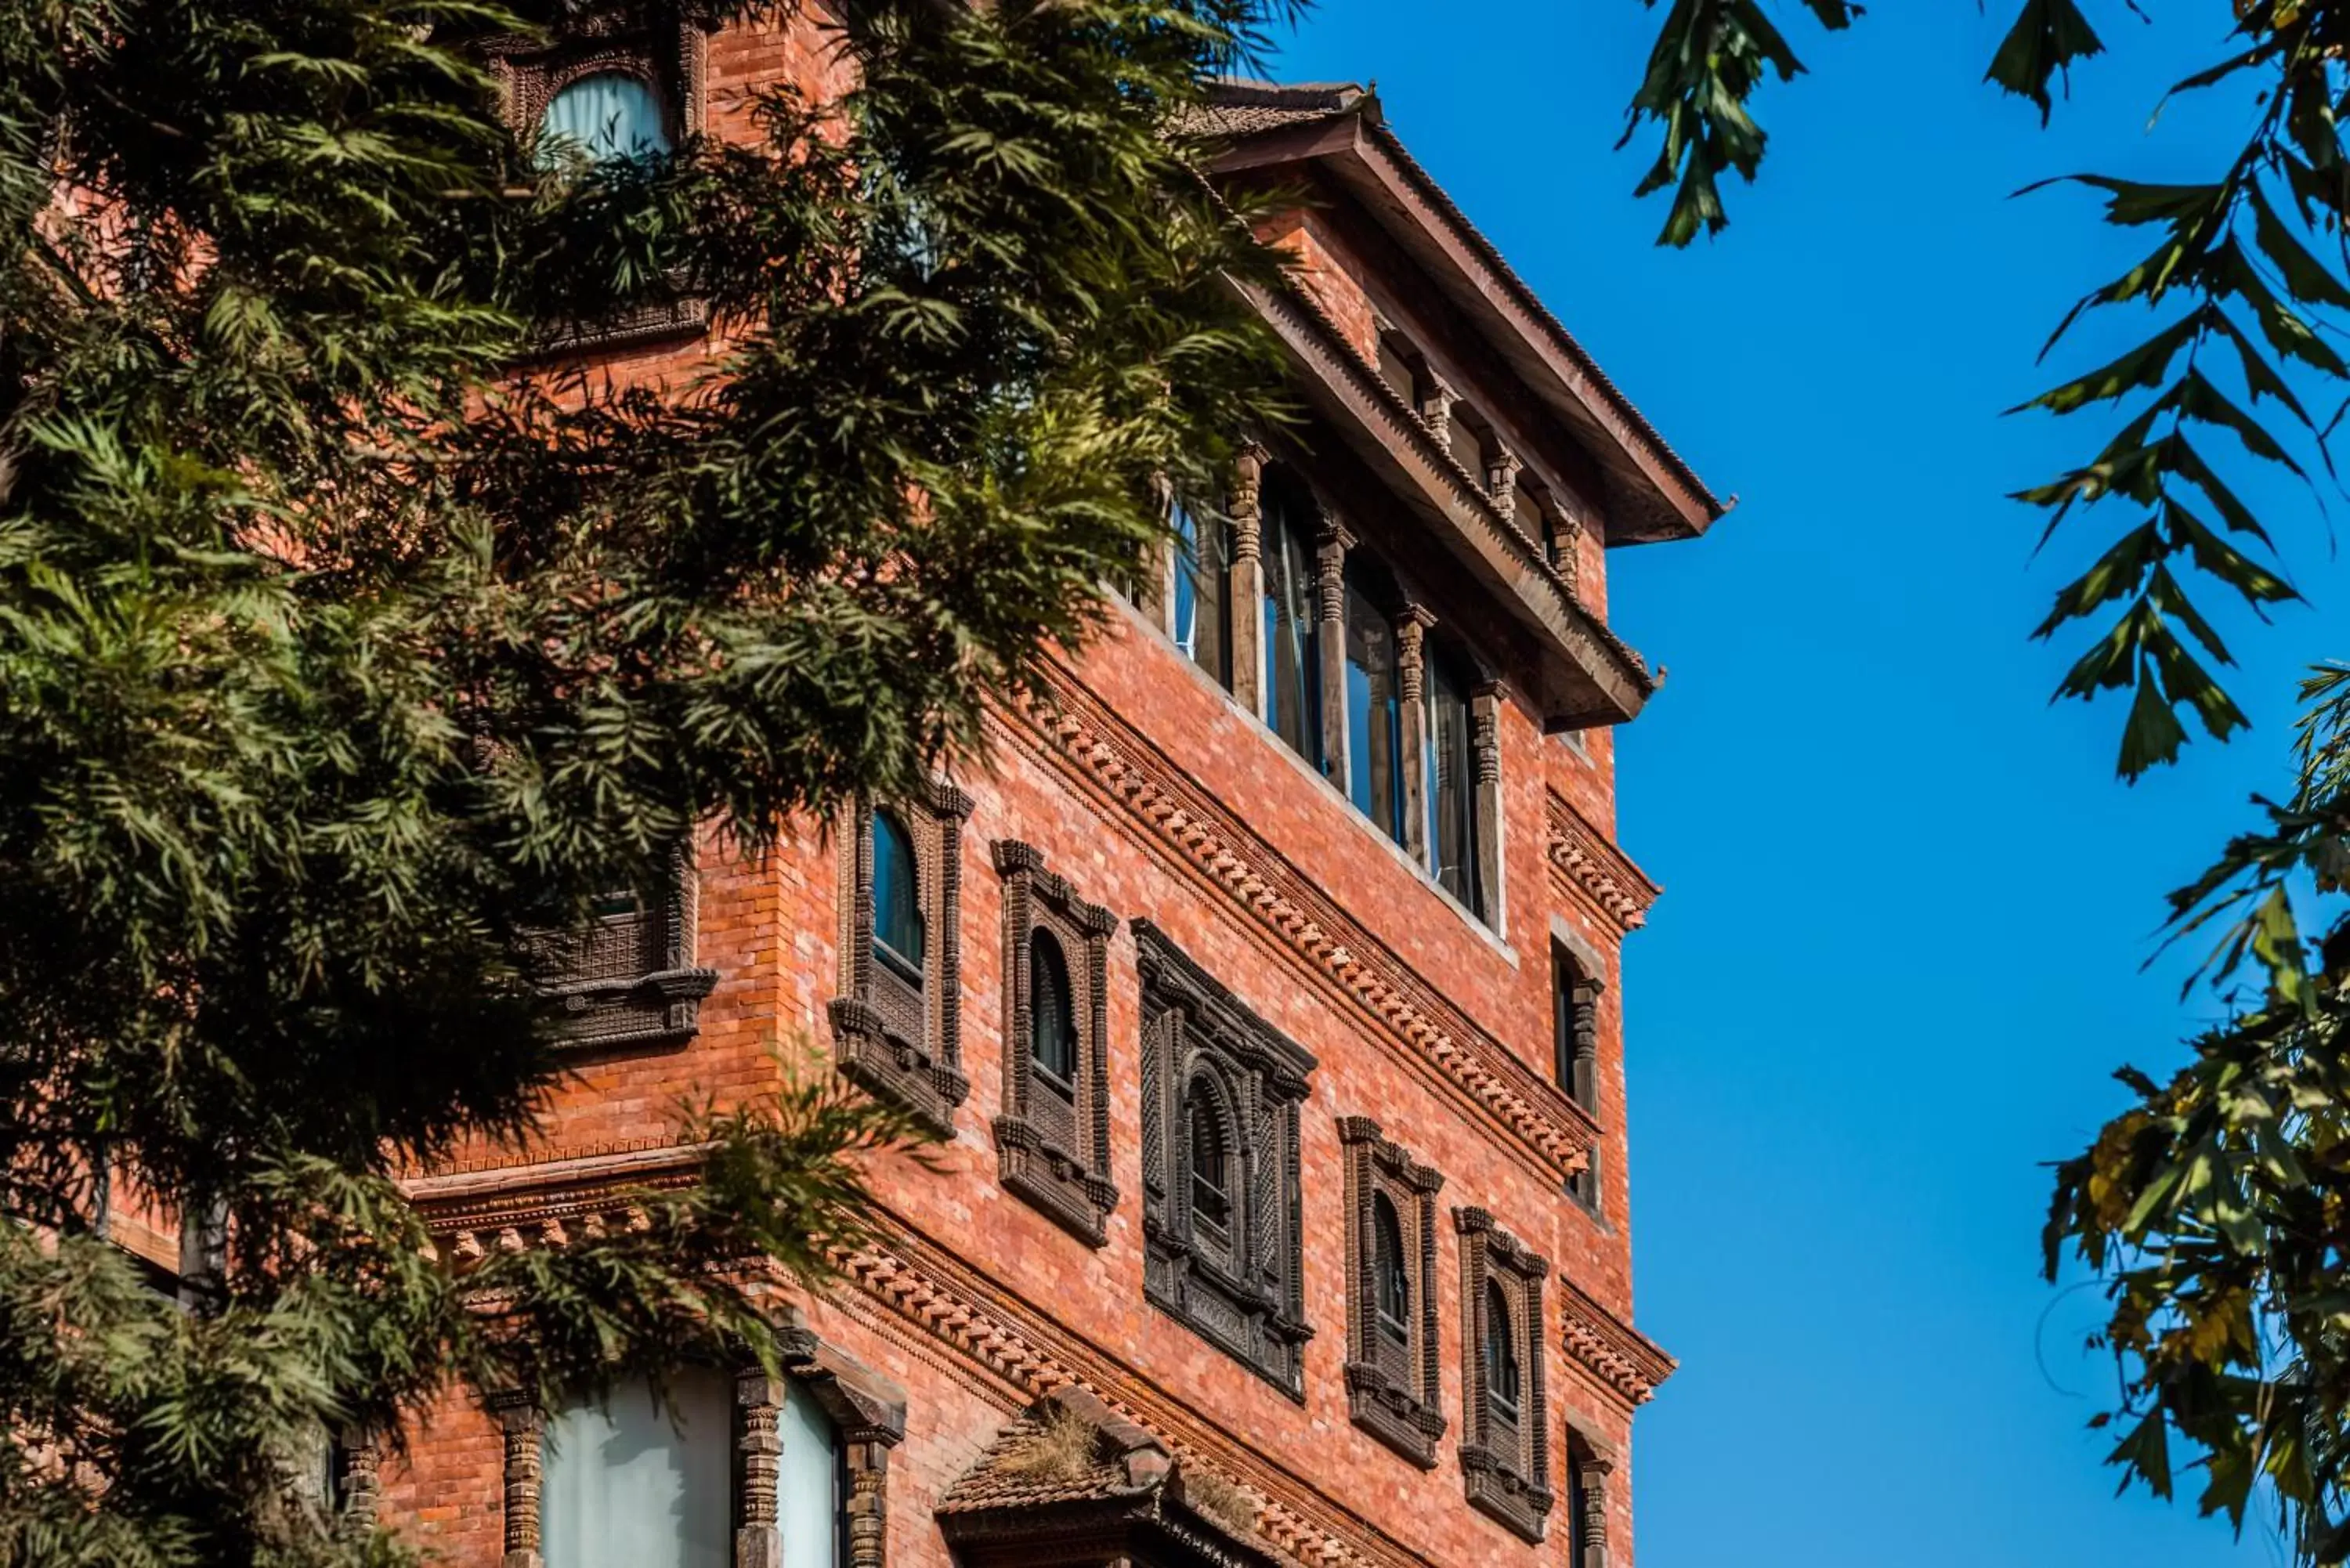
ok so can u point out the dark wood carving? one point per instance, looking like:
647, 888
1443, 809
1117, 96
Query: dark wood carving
1391, 1387
1242, 1291
1504, 1464
629, 980
1052, 1139
896, 1043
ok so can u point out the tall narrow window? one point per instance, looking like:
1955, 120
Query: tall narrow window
1052, 1139
1374, 710
1500, 1359
1505, 1446
1293, 649
1391, 1367
1452, 847
1223, 1237
629, 1484
896, 899
1203, 599
897, 1020
1391, 1273
1052, 1019
811, 1483
609, 114
1211, 1202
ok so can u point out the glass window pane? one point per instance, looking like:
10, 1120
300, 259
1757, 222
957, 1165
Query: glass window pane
1211, 1204
1052, 1021
1452, 785
1501, 1355
608, 115
631, 1485
1373, 713
1293, 704
897, 896
1393, 1278
1202, 600
811, 1488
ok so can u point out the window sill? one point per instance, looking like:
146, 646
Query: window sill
889, 1069
1392, 1415
1498, 1491
1307, 770
651, 1012
1191, 1289
659, 322
1052, 1181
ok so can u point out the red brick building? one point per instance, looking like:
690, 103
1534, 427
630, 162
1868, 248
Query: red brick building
1264, 980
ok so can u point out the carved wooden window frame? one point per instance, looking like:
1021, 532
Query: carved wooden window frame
868, 1419
1403, 1412
651, 1005
1251, 1305
1509, 1481
672, 62
924, 1075
1056, 1155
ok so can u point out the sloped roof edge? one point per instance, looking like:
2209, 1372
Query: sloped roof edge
1248, 108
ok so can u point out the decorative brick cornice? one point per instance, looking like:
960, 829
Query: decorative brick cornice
1307, 329
1618, 1356
1071, 728
518, 1206
938, 1293
1584, 861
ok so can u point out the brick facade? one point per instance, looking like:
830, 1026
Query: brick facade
1145, 798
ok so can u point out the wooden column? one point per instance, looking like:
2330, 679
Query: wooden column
759, 1441
361, 1456
1502, 467
1330, 547
1485, 738
526, 1429
868, 1492
1411, 668
1591, 1472
1244, 586
1436, 400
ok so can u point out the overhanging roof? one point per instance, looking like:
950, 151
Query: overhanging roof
1338, 129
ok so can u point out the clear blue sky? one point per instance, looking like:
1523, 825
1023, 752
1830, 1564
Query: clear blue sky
1906, 903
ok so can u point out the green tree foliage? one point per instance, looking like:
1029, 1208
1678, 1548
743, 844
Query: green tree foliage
2244, 279
2215, 1206
339, 664
2216, 1209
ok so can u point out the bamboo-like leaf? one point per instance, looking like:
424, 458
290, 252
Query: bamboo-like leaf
2046, 36
2305, 275
2136, 369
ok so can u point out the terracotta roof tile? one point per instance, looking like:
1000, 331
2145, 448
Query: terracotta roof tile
1006, 1476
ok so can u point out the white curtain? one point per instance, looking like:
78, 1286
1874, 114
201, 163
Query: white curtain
608, 115
628, 1484
809, 1489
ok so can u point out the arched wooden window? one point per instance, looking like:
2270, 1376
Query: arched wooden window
1292, 647
1374, 709
609, 114
1202, 596
1211, 1161
1390, 1272
1052, 1018
898, 936
1454, 851
1502, 1393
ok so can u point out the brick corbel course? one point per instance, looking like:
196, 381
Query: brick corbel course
1068, 727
